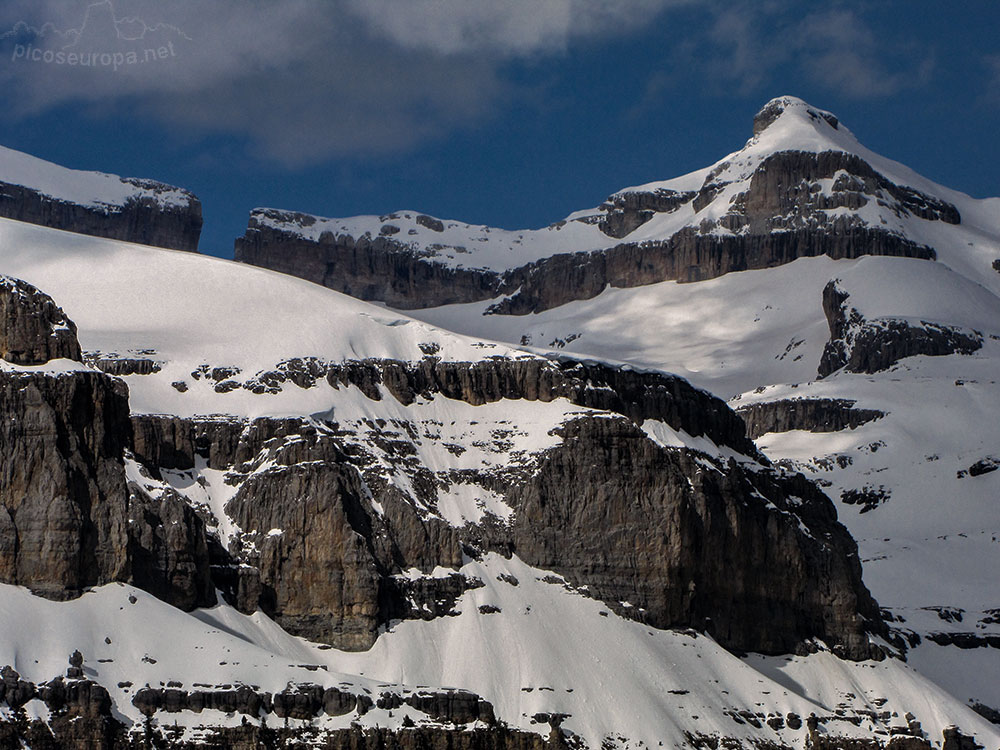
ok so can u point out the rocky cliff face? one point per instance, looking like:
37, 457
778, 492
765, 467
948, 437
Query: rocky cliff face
317, 535
369, 268
814, 415
63, 499
587, 514
860, 345
33, 329
689, 255
764, 207
322, 540
143, 218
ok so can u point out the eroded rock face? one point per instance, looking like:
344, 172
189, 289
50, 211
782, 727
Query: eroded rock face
377, 268
168, 550
587, 515
145, 220
319, 557
868, 346
33, 329
63, 499
812, 414
319, 571
689, 256
627, 211
636, 395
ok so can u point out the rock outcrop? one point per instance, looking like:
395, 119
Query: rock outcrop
320, 540
370, 268
587, 511
627, 211
63, 498
33, 329
169, 550
861, 345
79, 714
812, 414
143, 218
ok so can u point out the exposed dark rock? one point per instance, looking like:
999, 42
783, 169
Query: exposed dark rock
122, 366
955, 740
358, 738
369, 268
996, 265
144, 220
431, 598
868, 346
430, 222
984, 466
965, 640
241, 699
33, 329
381, 269
80, 714
63, 499
322, 577
781, 193
989, 713
307, 701
586, 515
168, 550
626, 212
812, 414
686, 256
452, 706
868, 497
171, 443
776, 107
341, 586
14, 691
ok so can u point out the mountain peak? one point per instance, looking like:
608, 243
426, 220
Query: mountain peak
790, 106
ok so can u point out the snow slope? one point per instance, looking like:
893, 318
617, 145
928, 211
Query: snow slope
548, 649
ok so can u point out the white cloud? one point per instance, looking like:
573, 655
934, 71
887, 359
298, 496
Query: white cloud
509, 27
757, 48
840, 51
302, 81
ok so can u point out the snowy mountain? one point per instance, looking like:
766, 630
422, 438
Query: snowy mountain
93, 203
240, 509
859, 340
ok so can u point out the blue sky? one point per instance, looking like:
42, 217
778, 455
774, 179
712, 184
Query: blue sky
511, 113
